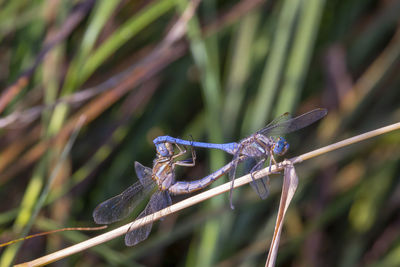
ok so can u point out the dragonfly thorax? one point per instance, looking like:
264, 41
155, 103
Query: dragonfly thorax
163, 174
256, 146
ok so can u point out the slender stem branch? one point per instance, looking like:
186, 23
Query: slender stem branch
202, 197
346, 142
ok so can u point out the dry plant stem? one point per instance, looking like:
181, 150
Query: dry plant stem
201, 197
346, 142
290, 182
53, 232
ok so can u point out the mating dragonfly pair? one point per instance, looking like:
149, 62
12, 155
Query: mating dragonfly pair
160, 180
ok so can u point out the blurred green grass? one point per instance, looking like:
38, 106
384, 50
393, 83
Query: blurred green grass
241, 64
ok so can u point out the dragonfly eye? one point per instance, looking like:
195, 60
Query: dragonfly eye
281, 146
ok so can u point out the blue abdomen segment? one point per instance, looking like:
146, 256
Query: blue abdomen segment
227, 147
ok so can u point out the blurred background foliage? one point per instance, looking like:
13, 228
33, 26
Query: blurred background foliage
238, 65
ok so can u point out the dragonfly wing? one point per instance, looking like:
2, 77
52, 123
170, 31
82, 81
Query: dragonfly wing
282, 119
165, 202
141, 233
144, 174
167, 198
261, 186
279, 120
158, 201
120, 206
284, 124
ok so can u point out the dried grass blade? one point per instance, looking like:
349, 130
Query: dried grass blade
290, 182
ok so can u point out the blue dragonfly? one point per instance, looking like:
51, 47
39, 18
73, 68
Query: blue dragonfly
159, 182
259, 147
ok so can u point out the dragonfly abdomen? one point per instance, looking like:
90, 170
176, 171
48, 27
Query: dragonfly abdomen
179, 188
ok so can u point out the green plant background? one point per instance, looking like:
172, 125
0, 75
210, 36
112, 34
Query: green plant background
240, 64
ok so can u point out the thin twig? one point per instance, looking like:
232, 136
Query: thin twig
202, 197
346, 142
53, 232
290, 183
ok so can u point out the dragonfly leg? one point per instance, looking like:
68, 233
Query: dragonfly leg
188, 162
271, 160
180, 153
259, 185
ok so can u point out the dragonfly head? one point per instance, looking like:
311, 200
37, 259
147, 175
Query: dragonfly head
165, 149
280, 147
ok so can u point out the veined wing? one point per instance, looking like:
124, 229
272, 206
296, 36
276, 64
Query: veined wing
144, 174
278, 120
120, 206
158, 201
284, 124
260, 186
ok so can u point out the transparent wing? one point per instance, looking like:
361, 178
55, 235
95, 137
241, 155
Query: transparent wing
140, 234
158, 201
261, 186
144, 174
120, 206
284, 124
279, 120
